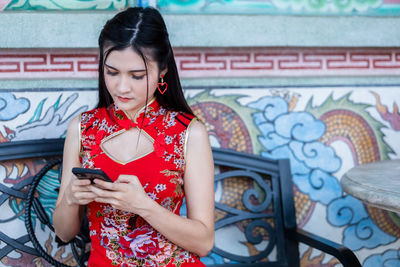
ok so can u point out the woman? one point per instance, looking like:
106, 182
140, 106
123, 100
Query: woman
144, 136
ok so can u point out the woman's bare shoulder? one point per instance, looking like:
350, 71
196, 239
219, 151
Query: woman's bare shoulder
73, 126
197, 128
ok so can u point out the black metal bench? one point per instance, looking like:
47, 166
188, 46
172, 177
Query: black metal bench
255, 195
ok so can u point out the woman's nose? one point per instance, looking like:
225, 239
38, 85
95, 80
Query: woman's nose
123, 84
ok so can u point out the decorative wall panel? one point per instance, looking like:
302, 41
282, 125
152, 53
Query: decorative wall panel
213, 62
323, 130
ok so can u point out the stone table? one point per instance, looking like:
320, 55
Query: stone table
376, 184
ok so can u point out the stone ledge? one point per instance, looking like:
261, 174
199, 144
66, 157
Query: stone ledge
227, 83
80, 29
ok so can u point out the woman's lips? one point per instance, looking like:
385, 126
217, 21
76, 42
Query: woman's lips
124, 99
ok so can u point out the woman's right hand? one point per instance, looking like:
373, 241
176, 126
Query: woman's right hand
78, 192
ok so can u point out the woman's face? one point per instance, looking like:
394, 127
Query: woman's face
125, 78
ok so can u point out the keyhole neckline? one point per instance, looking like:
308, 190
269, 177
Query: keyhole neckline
135, 158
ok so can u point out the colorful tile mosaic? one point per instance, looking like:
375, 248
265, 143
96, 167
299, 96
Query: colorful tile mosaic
323, 130
287, 7
7, 5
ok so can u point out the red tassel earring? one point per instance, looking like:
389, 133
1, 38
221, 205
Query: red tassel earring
161, 85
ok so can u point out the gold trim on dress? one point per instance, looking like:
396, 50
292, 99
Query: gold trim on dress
121, 132
80, 133
140, 110
186, 138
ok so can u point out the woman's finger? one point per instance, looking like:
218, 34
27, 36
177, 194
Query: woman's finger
102, 192
106, 200
105, 185
83, 198
123, 178
83, 188
85, 195
81, 182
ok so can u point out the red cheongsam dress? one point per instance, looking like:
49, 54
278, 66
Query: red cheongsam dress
120, 238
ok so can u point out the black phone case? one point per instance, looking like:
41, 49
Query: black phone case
91, 174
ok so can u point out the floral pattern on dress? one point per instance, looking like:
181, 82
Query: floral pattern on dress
177, 178
127, 239
142, 246
91, 140
170, 147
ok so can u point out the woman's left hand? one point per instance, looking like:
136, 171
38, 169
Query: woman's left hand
126, 193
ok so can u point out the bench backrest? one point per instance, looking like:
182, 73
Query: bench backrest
254, 209
254, 214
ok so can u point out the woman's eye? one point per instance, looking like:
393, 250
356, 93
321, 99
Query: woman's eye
133, 76
111, 73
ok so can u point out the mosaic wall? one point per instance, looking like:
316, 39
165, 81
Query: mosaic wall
323, 130
7, 5
294, 7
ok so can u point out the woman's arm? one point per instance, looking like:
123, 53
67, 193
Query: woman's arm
194, 233
74, 193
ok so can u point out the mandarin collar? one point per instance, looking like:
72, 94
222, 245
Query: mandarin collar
125, 120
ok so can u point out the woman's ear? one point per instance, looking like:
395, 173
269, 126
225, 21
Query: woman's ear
164, 71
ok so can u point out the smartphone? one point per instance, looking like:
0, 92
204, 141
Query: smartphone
91, 174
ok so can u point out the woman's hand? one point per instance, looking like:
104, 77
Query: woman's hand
79, 192
126, 193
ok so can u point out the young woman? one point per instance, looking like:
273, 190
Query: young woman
144, 136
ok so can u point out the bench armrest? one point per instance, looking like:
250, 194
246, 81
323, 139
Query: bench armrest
342, 253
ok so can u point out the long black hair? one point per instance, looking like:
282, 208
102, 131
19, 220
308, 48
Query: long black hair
144, 30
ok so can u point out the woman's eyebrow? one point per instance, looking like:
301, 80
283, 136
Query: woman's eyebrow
111, 67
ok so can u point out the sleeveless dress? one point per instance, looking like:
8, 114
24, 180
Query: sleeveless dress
120, 238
